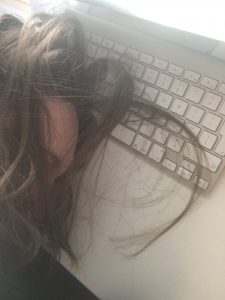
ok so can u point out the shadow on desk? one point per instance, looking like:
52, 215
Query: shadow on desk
44, 279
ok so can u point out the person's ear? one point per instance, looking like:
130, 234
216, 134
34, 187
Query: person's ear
62, 134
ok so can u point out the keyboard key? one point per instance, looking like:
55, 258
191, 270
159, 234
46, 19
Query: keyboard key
222, 109
138, 88
169, 164
156, 152
222, 88
207, 139
184, 173
160, 135
211, 101
114, 55
150, 93
164, 100
211, 121
137, 70
173, 126
220, 149
190, 151
175, 143
211, 161
123, 134
146, 113
141, 144
96, 39
176, 70
132, 53
192, 76
164, 81
91, 50
125, 118
195, 114
145, 58
127, 62
178, 87
133, 121
160, 63
194, 94
150, 75
209, 83
101, 53
159, 120
119, 48
147, 128
202, 183
179, 107
194, 129
135, 106
107, 43
188, 165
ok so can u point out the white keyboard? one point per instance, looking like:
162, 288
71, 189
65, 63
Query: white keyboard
195, 99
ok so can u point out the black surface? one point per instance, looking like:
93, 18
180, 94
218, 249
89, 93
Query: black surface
44, 279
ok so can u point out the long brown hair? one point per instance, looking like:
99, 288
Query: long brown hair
45, 57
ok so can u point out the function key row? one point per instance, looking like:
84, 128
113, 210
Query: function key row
158, 63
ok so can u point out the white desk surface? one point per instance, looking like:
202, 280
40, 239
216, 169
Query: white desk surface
186, 263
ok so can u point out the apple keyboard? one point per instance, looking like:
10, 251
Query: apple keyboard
194, 98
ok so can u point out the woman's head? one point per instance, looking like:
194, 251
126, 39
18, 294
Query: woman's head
43, 71
55, 109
